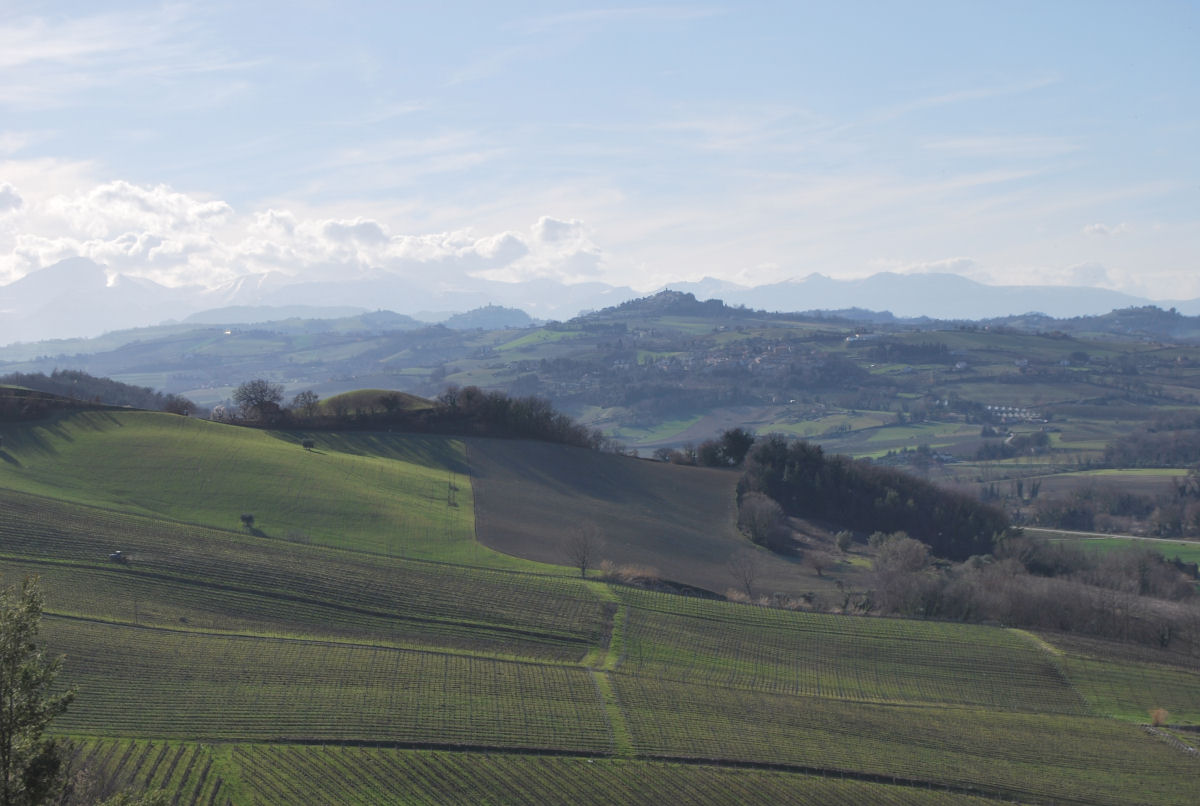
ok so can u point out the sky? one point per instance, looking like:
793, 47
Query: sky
1013, 143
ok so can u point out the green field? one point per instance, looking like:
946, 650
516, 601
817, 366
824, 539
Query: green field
385, 656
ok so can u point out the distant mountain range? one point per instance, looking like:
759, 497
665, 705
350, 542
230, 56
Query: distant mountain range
77, 298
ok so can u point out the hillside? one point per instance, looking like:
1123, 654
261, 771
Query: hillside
673, 522
358, 645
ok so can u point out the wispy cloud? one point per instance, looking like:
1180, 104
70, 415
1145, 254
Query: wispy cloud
1004, 146
591, 18
49, 61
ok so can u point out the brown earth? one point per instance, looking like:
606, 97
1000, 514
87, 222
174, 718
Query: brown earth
530, 497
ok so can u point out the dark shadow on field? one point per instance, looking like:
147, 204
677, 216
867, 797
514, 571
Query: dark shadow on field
530, 497
37, 437
8, 457
427, 450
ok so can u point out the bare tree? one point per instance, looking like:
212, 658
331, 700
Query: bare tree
259, 399
818, 561
761, 518
583, 545
745, 567
306, 403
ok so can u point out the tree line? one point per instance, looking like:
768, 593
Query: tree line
77, 385
458, 410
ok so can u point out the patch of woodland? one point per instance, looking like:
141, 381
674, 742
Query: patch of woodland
1134, 596
75, 387
468, 410
1169, 441
1099, 507
857, 495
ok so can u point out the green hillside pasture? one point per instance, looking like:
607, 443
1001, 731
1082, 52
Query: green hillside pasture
373, 492
530, 496
1142, 481
844, 657
285, 775
1039, 758
185, 770
830, 426
186, 575
1129, 691
1185, 550
665, 432
154, 683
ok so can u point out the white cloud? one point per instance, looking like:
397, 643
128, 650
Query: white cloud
9, 198
951, 265
1105, 229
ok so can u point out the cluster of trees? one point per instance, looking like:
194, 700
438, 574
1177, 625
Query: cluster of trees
868, 498
1135, 595
1155, 448
1097, 507
465, 410
77, 385
1014, 445
727, 450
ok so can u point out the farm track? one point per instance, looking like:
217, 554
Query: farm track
1104, 535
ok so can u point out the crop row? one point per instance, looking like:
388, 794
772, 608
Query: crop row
1061, 758
157, 683
560, 617
350, 775
106, 766
114, 594
1131, 690
832, 656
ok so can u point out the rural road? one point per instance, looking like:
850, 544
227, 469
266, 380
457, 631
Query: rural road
1105, 534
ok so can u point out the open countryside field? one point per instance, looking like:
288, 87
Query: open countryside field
382, 493
237, 666
680, 521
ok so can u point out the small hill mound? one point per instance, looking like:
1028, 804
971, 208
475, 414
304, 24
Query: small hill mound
373, 401
490, 317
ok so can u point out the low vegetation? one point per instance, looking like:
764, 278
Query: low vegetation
354, 642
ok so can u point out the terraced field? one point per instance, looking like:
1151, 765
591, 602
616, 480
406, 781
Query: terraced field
234, 667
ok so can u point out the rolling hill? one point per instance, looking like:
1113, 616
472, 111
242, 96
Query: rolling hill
358, 645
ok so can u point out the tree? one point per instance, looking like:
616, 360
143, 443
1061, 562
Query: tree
761, 518
583, 546
305, 403
259, 399
178, 404
32, 768
735, 444
744, 566
247, 520
844, 540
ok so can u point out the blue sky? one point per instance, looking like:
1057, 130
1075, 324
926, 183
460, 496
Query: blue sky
634, 144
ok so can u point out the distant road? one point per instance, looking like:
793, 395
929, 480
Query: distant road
1106, 534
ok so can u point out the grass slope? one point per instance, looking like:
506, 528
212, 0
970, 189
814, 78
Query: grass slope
325, 673
382, 493
681, 521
